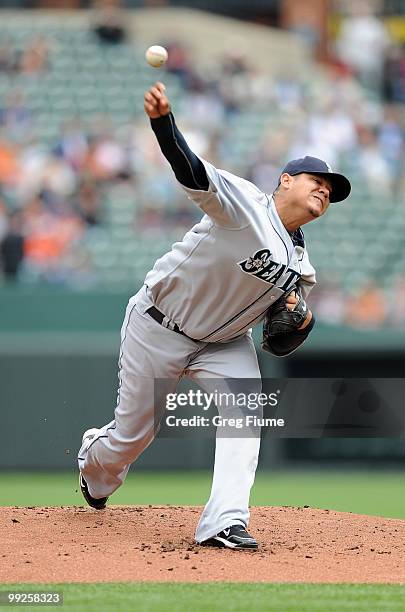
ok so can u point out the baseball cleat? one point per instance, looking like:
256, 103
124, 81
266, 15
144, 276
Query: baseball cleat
235, 536
98, 504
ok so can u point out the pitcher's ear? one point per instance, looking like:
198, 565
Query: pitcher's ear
286, 180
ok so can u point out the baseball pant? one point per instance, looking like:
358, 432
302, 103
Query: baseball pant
149, 352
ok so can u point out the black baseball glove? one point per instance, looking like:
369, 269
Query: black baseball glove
281, 333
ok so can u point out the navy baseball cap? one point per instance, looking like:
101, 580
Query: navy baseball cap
341, 186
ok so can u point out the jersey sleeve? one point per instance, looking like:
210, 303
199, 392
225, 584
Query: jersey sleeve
227, 199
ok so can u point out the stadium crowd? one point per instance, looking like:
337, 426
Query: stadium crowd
53, 195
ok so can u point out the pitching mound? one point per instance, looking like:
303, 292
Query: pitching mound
155, 543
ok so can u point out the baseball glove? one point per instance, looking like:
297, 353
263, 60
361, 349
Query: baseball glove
280, 320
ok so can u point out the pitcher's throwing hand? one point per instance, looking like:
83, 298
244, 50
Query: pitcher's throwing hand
156, 103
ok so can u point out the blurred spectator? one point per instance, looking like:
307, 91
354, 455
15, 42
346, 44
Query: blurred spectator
87, 202
235, 83
202, 106
178, 62
9, 163
394, 75
32, 161
43, 172
34, 58
3, 219
328, 133
391, 143
367, 308
15, 117
288, 93
372, 165
12, 248
362, 44
333, 127
305, 22
8, 59
49, 237
58, 179
329, 302
397, 304
109, 22
235, 63
264, 170
73, 145
106, 158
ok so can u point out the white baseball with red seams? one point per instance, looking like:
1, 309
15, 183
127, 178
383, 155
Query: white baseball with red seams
156, 56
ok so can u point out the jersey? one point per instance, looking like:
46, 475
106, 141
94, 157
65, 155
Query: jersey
219, 281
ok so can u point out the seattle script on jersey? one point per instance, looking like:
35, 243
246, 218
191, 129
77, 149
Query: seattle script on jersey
263, 267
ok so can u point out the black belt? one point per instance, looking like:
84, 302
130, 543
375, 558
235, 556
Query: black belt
159, 316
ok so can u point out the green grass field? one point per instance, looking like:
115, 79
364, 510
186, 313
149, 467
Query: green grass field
379, 493
224, 597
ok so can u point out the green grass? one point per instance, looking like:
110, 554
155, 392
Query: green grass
223, 597
377, 493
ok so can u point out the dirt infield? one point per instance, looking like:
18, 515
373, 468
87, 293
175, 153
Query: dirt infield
155, 543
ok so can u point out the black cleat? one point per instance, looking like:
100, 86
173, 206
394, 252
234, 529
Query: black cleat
98, 504
235, 536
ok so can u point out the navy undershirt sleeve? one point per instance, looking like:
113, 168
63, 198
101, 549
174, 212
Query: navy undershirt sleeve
187, 167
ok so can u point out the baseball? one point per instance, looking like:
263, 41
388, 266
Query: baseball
156, 56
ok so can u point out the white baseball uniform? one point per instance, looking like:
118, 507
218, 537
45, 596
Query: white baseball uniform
214, 285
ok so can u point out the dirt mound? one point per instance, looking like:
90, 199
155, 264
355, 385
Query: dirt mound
155, 543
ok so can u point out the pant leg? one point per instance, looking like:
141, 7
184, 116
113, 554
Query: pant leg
151, 357
235, 458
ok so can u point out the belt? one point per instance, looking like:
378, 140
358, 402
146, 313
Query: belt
159, 317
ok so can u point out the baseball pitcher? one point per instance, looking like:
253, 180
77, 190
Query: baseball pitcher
244, 262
